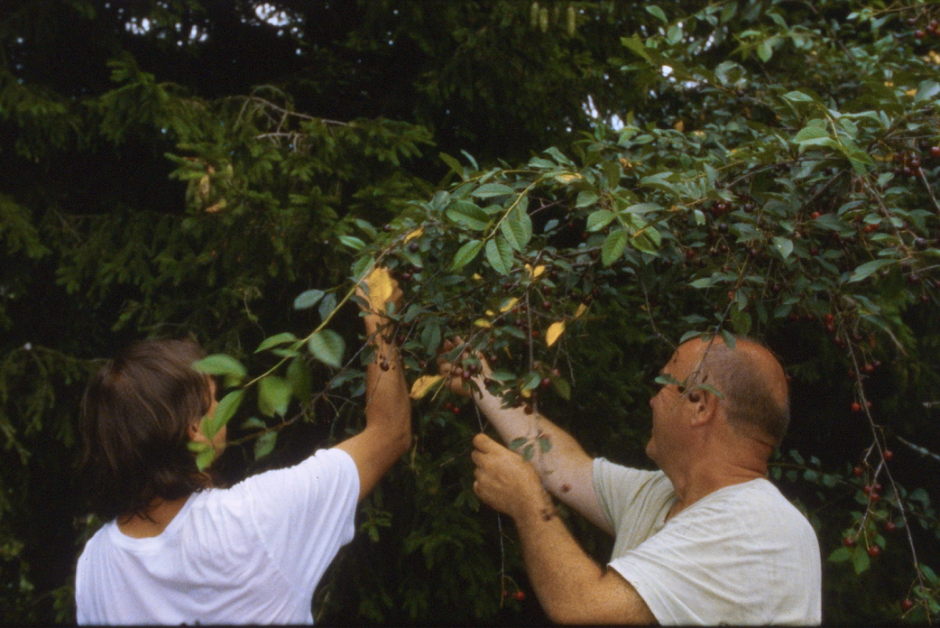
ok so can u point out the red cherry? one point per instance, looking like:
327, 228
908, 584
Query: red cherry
528, 409
858, 471
546, 382
935, 151
874, 551
520, 595
848, 541
888, 455
906, 605
816, 215
856, 406
891, 526
869, 368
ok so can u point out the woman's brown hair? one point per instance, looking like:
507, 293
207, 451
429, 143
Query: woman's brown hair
135, 420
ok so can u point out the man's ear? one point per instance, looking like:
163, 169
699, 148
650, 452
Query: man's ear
705, 405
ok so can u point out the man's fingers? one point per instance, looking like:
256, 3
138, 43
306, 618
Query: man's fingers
484, 443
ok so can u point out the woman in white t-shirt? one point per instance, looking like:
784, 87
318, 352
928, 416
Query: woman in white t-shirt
177, 550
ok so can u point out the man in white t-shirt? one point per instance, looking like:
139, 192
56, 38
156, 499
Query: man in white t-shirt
705, 540
176, 550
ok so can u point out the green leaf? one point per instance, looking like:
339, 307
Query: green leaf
253, 422
492, 189
308, 299
468, 214
327, 346
265, 444
466, 254
926, 91
860, 560
298, 374
274, 395
646, 240
599, 219
532, 381
517, 229
642, 208
798, 97
327, 306
741, 321
545, 444
455, 165
499, 255
516, 443
656, 12
614, 245
635, 45
273, 341
784, 246
205, 457
222, 364
562, 387
528, 452
811, 133
840, 555
765, 50
222, 414
666, 379
868, 268
586, 198
704, 282
352, 242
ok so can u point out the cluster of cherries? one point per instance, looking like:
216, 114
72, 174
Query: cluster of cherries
932, 29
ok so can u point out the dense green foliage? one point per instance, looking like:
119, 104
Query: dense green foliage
542, 188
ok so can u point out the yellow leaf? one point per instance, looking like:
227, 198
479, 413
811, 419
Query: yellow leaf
477, 277
555, 330
911, 92
482, 322
581, 310
423, 384
525, 392
679, 126
417, 233
567, 178
380, 288
536, 272
511, 303
490, 313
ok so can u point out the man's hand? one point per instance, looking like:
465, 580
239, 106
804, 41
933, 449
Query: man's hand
505, 482
454, 374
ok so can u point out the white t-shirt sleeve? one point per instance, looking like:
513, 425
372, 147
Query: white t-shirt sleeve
304, 514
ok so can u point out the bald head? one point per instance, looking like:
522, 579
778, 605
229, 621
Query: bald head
753, 385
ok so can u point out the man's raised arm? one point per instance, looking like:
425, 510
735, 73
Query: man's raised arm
566, 470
